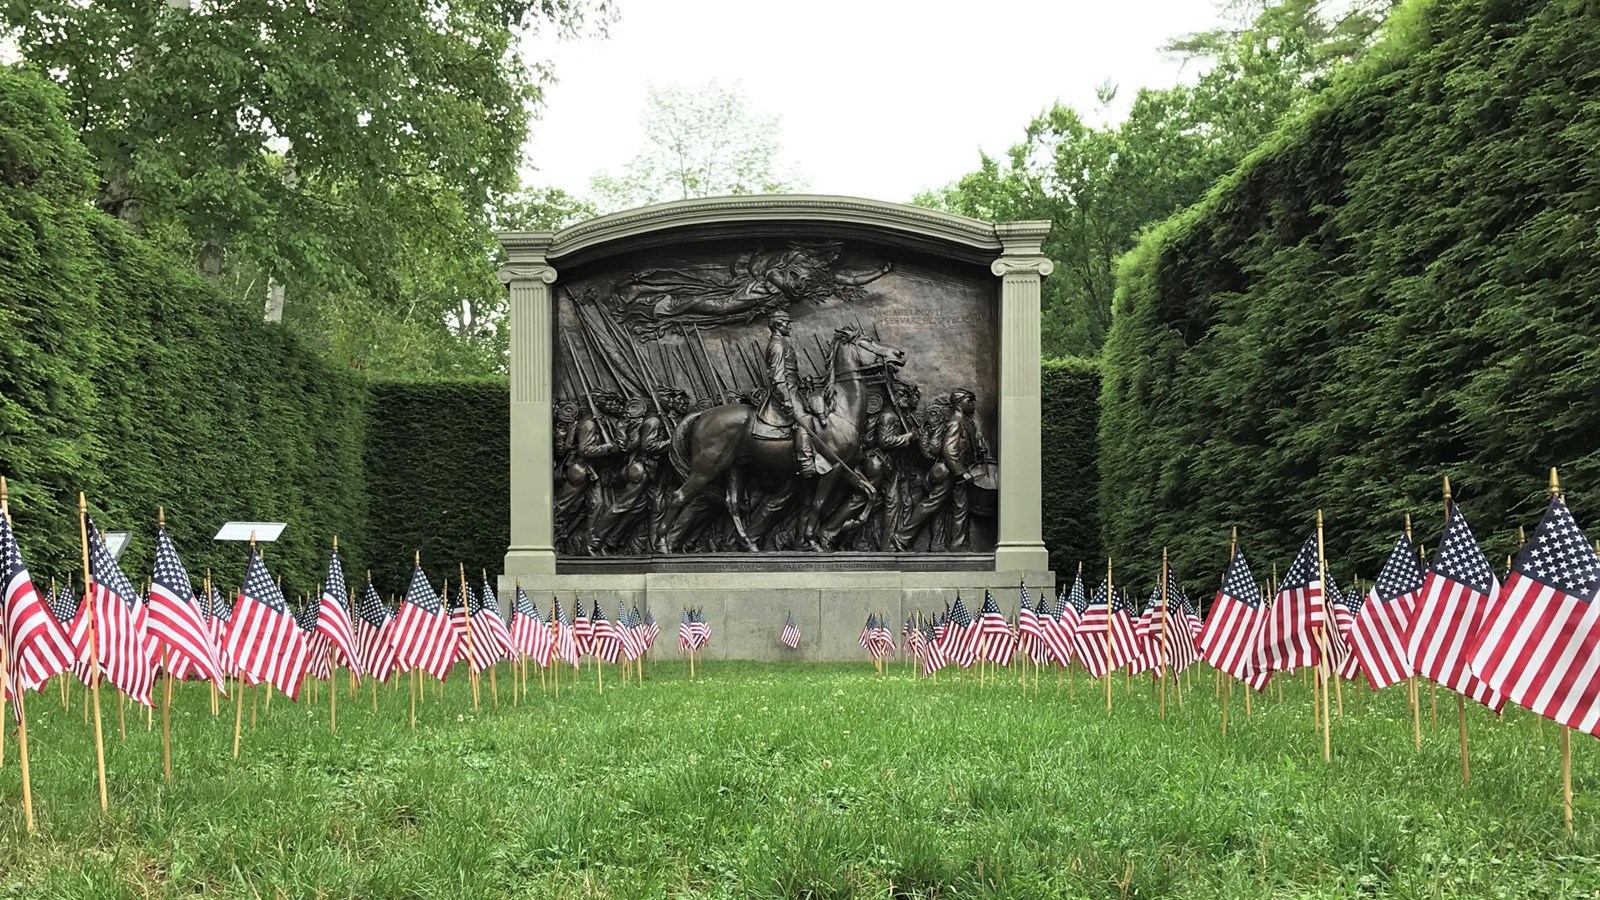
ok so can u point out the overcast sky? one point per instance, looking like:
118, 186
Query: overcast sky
877, 98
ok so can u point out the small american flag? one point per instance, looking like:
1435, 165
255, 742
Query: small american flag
1286, 641
120, 641
263, 637
791, 634
1124, 649
1378, 631
1346, 658
1057, 631
529, 634
374, 634
1030, 632
495, 621
174, 619
319, 650
961, 635
627, 634
35, 643
582, 628
1540, 642
699, 627
423, 636
1455, 594
333, 614
1089, 638
607, 645
869, 637
932, 655
1231, 631
652, 629
561, 625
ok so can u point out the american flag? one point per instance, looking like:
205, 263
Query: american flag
582, 628
961, 636
791, 634
700, 628
374, 633
1124, 649
685, 634
1231, 631
628, 633
35, 643
319, 650
482, 651
607, 645
1286, 641
529, 634
652, 629
221, 613
1346, 658
1455, 594
1089, 638
1044, 617
120, 642
423, 636
1030, 633
998, 641
262, 636
496, 621
333, 619
869, 637
64, 606
1057, 631
932, 655
1378, 630
1540, 643
1191, 617
562, 627
883, 636
174, 619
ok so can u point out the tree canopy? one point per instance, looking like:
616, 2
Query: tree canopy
1100, 185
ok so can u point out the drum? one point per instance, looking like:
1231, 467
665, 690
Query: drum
983, 492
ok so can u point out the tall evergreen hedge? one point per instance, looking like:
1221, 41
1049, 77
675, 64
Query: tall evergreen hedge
1403, 284
1070, 398
124, 376
439, 476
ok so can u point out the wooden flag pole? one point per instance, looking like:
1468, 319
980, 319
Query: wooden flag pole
166, 694
1227, 690
1109, 591
1461, 700
494, 690
1161, 646
1411, 681
21, 701
94, 650
1566, 732
1322, 668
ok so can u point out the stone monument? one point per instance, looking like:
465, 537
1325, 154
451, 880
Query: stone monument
761, 405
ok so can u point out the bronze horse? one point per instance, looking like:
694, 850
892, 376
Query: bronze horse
718, 442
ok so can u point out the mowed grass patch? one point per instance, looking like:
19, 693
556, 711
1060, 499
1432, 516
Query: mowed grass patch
773, 780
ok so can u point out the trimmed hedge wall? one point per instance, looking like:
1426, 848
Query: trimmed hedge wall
1070, 400
1403, 284
438, 477
124, 376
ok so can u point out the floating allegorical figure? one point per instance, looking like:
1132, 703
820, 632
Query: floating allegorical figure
754, 285
960, 448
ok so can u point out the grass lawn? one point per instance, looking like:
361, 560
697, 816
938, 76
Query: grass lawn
766, 780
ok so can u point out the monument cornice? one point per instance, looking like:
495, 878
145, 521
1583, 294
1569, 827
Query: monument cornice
976, 239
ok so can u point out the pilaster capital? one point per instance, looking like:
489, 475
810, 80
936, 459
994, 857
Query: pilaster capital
525, 256
1022, 265
527, 271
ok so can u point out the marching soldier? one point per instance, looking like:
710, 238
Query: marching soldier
962, 446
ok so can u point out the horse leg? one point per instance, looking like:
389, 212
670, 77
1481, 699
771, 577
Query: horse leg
819, 498
735, 498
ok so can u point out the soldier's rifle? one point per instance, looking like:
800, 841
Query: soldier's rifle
644, 374
588, 392
707, 357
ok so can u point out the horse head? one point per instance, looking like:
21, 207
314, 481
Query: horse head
856, 354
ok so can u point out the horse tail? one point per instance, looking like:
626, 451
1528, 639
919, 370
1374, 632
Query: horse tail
678, 450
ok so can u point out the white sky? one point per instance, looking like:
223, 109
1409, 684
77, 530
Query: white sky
877, 98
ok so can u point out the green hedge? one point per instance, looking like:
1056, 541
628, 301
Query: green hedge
1070, 390
124, 376
1401, 285
439, 476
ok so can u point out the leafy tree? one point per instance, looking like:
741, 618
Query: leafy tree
698, 143
1100, 186
349, 151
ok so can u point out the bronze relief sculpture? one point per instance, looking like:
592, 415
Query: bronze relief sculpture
770, 399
